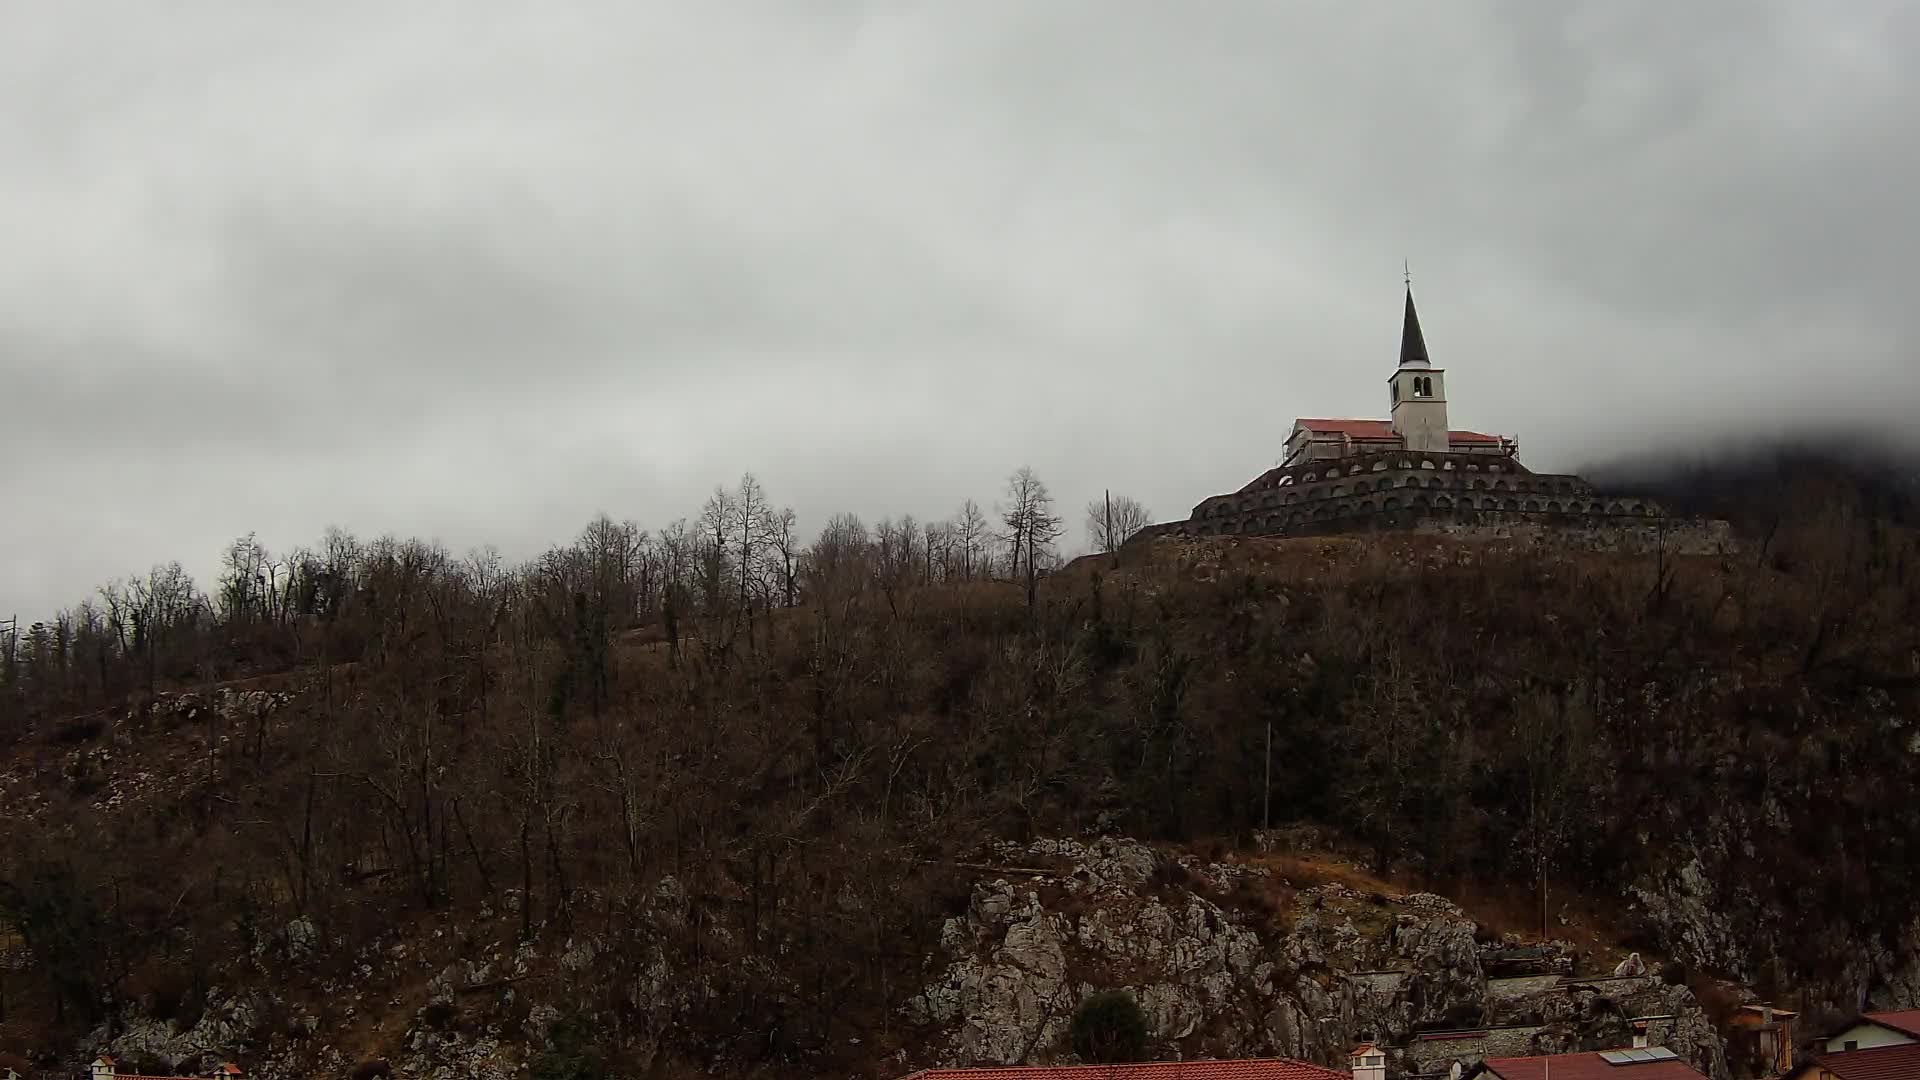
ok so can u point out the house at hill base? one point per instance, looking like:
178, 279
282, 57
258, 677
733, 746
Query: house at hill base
105, 1067
1877, 1046
1249, 1069
1414, 470
1898, 1028
1760, 1041
1638, 1063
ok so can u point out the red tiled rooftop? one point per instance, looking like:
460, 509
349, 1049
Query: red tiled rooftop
1588, 1067
1879, 1063
1379, 429
1256, 1069
1907, 1020
1358, 429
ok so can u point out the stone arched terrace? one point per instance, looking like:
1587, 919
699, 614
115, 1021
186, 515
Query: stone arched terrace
1401, 489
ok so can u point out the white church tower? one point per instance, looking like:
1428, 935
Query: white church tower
1419, 391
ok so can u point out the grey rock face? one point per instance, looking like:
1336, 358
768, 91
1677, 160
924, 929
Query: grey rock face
226, 1029
1012, 969
1446, 986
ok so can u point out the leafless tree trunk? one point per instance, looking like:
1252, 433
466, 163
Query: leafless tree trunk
1032, 526
1112, 520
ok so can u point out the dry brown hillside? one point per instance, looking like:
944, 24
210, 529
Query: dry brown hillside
779, 806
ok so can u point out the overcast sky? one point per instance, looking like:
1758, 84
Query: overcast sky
478, 271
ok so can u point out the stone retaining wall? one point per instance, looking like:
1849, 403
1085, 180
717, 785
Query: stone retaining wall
1628, 532
1446, 494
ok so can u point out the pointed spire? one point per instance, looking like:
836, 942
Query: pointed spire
1413, 346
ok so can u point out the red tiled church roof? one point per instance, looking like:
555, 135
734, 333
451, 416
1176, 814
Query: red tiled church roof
1356, 429
1588, 1067
1904, 1020
1260, 1069
1900, 1062
1379, 429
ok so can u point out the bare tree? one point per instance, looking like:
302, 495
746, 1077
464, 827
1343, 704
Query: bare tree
244, 590
747, 528
783, 553
1112, 520
970, 536
841, 559
1031, 524
715, 532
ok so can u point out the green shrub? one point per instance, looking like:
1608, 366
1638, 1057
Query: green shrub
1109, 1027
572, 1054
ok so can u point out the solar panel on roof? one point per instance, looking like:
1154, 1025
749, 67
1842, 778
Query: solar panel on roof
1637, 1056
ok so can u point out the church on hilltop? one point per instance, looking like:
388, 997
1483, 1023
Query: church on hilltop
1411, 470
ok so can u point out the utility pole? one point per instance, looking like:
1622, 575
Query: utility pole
1266, 786
1107, 537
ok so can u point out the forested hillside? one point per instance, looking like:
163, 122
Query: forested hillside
801, 745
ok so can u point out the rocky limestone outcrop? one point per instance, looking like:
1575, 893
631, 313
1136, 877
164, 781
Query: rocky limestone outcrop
1216, 976
229, 1026
1211, 978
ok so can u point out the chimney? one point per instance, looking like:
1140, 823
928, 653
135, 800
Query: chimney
103, 1068
1369, 1062
1639, 1034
